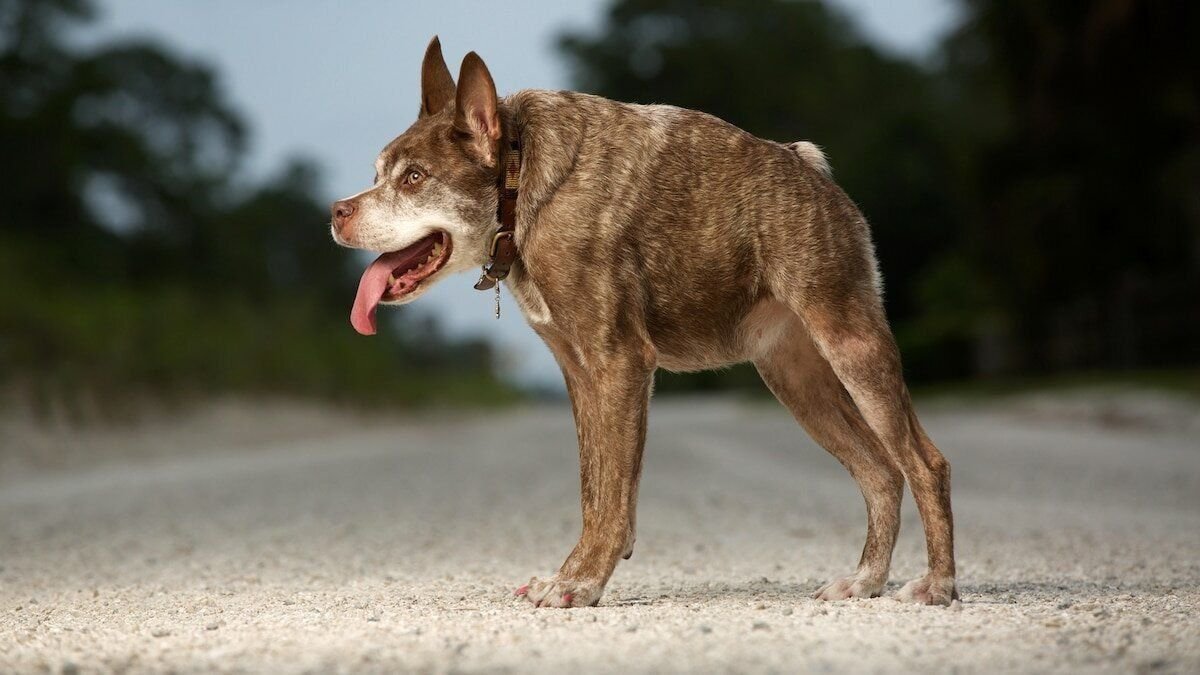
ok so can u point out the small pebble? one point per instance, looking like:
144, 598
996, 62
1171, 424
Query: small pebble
761, 625
160, 632
706, 629
212, 626
787, 612
956, 606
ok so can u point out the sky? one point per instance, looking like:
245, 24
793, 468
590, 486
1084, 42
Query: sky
335, 81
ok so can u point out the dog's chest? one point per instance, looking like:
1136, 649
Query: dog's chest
530, 300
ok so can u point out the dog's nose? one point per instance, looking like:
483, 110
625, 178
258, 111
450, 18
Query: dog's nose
341, 210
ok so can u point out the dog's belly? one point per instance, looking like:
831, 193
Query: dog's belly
744, 340
688, 341
690, 363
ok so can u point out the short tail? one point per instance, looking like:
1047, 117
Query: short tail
812, 154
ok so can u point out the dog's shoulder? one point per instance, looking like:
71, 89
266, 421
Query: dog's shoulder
565, 131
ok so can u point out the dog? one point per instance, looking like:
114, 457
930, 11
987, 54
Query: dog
645, 237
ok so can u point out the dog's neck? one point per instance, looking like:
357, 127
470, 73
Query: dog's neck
521, 284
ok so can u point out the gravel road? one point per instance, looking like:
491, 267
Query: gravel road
349, 544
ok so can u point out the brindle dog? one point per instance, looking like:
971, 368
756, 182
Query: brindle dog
652, 236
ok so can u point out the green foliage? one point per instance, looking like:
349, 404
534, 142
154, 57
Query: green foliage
131, 261
184, 340
1087, 177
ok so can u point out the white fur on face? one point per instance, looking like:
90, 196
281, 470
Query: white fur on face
391, 219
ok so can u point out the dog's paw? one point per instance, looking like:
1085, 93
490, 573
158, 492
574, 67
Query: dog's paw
856, 585
556, 592
929, 590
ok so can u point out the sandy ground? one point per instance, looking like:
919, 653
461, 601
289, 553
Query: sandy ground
331, 544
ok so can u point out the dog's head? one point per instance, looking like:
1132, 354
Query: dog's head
432, 208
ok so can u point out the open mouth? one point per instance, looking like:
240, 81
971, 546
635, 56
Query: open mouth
395, 275
415, 263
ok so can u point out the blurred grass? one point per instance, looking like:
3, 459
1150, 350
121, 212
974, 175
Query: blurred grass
113, 345
1179, 381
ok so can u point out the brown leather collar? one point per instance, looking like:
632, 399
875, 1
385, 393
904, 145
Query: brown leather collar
502, 252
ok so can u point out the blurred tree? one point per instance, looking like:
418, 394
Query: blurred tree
1033, 194
1087, 184
800, 70
127, 123
129, 255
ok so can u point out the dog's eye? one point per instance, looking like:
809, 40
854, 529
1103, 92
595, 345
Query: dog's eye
413, 176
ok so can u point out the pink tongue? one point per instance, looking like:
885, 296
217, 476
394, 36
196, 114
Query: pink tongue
370, 290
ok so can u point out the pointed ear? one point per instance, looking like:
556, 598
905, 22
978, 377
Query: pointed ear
437, 85
476, 108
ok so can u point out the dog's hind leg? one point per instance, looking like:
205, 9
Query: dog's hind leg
851, 331
803, 381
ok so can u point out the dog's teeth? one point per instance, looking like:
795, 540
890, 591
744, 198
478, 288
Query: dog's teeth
392, 280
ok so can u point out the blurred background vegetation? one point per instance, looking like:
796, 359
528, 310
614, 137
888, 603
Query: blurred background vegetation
1034, 191
132, 264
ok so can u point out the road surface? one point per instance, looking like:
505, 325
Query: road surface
358, 544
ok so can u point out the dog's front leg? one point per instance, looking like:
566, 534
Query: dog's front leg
610, 400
